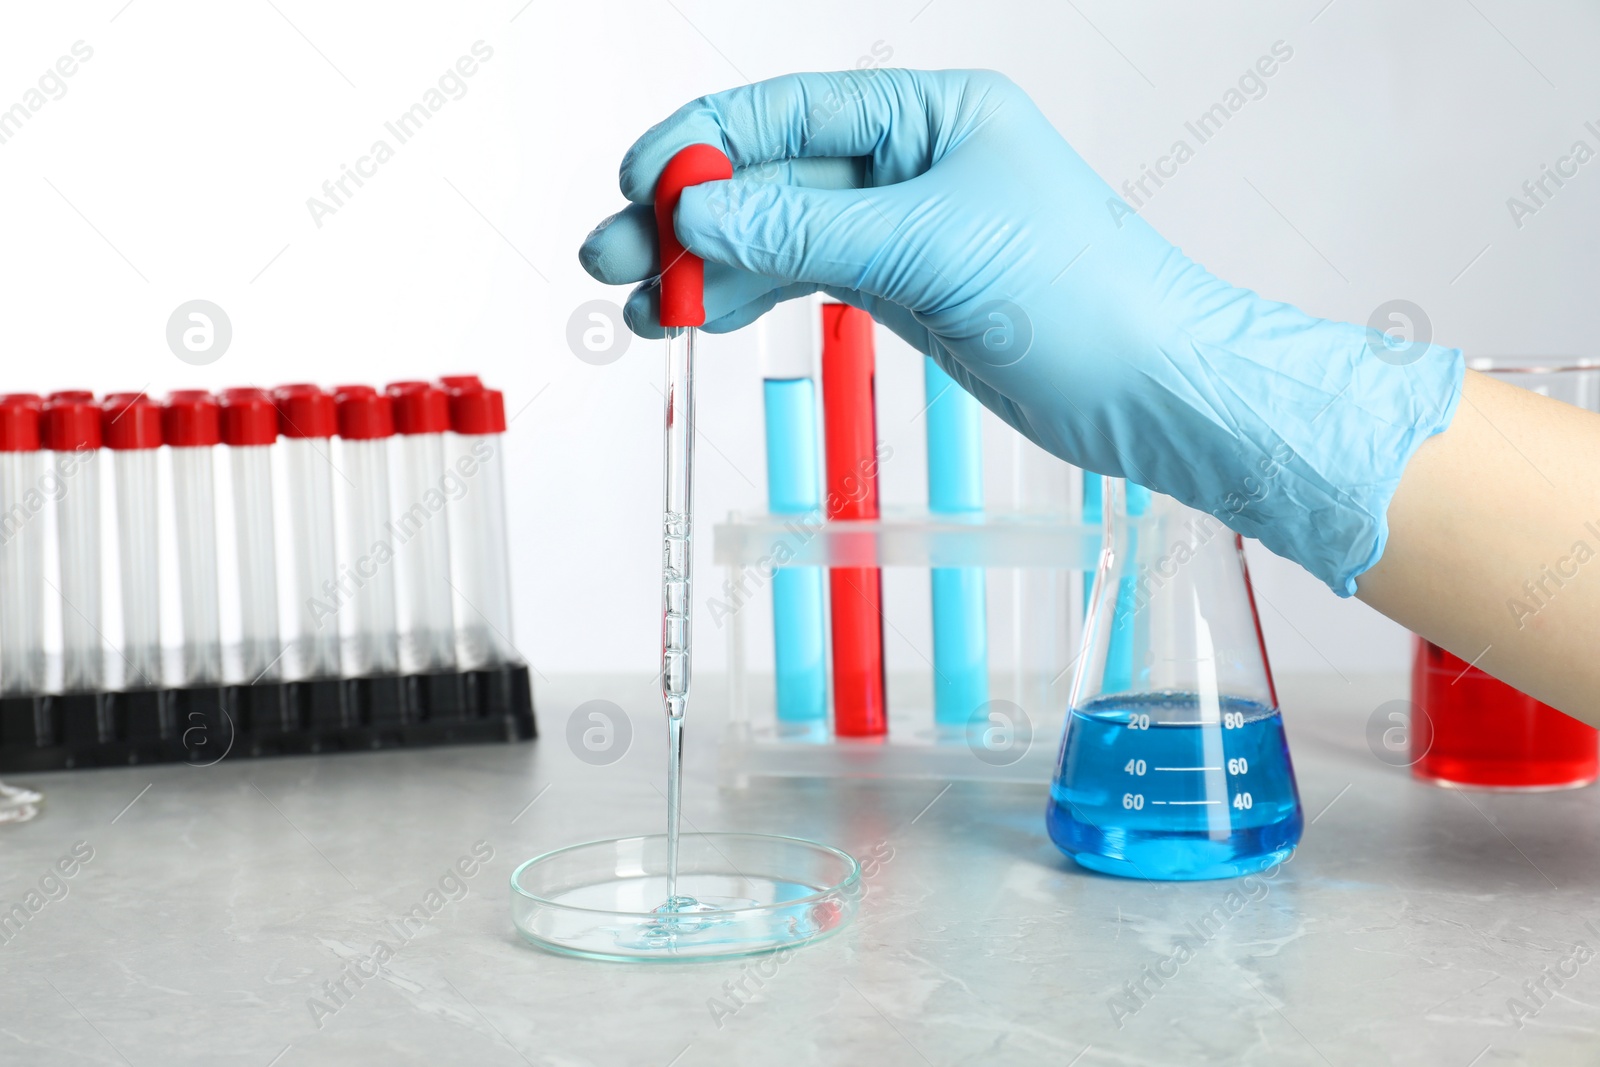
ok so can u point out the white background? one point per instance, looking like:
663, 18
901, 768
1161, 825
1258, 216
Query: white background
179, 162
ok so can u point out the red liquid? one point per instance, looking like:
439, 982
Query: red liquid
850, 432
859, 708
1475, 730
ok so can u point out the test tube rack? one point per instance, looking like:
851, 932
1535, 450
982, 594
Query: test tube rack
1024, 548
433, 666
202, 725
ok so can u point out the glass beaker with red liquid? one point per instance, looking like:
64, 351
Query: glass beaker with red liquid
1476, 731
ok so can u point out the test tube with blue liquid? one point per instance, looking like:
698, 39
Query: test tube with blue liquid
1092, 516
1120, 652
955, 487
794, 487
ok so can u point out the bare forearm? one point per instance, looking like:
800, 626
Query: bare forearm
1494, 544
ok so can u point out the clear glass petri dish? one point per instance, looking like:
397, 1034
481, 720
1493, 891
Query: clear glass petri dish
753, 893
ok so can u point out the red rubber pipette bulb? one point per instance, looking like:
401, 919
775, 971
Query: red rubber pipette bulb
682, 272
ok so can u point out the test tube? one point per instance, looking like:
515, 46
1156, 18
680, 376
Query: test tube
955, 486
249, 429
794, 487
480, 560
130, 423
366, 422
855, 593
1093, 515
307, 420
427, 635
23, 493
72, 433
192, 428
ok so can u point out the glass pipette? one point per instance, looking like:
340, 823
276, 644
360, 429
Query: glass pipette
682, 310
677, 545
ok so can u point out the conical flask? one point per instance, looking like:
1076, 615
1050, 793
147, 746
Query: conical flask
1173, 763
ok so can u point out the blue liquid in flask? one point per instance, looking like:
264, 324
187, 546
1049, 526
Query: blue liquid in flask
1163, 786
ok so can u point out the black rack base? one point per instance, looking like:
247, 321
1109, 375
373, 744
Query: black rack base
63, 731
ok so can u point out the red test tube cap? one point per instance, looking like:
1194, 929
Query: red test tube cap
683, 274
130, 422
306, 410
364, 413
71, 424
419, 407
19, 422
480, 412
460, 383
191, 419
68, 394
249, 417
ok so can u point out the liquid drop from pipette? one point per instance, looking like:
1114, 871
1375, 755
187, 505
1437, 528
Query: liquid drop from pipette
679, 917
679, 905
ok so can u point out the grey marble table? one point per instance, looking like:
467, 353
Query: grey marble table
212, 913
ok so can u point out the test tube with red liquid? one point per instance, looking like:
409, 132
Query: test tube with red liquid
427, 634
131, 427
24, 494
250, 429
366, 581
72, 433
191, 424
850, 432
308, 419
480, 557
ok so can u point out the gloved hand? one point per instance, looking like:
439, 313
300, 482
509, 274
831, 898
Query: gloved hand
946, 206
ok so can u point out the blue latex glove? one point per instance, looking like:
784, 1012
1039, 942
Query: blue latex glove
946, 206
